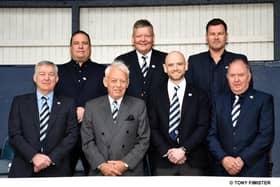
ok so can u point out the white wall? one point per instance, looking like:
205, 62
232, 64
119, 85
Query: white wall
28, 35
250, 28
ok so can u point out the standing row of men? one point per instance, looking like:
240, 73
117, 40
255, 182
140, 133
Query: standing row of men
168, 113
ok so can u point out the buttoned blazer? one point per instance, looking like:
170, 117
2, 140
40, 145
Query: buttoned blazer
252, 137
68, 84
24, 134
138, 85
193, 127
126, 140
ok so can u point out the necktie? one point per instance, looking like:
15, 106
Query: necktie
144, 68
115, 111
174, 116
235, 110
44, 119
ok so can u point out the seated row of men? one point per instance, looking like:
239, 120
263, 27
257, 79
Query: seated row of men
201, 117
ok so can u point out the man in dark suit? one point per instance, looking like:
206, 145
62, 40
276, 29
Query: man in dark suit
42, 128
178, 133
115, 130
207, 70
145, 66
242, 127
144, 79
80, 79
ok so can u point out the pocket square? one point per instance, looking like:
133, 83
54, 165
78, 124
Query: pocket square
130, 118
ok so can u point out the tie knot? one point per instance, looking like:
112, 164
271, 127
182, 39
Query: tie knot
44, 98
176, 88
115, 103
144, 58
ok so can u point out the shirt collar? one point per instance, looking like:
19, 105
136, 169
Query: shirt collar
111, 100
148, 57
49, 95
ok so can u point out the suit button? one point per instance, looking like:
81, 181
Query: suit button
126, 132
234, 147
108, 146
123, 146
103, 133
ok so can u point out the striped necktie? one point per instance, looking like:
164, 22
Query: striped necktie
174, 115
235, 110
44, 118
144, 68
115, 111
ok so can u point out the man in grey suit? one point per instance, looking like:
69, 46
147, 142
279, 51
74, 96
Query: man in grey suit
115, 130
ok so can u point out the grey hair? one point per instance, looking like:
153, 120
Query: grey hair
119, 65
45, 62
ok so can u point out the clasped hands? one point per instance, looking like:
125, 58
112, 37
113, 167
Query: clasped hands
232, 165
40, 162
113, 168
176, 156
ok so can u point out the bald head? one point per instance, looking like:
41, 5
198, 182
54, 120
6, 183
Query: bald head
175, 66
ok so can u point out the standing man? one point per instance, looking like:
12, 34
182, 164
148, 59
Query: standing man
242, 127
144, 63
145, 66
115, 130
207, 70
179, 123
80, 79
42, 128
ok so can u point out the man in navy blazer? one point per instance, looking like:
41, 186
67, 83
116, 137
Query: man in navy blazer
42, 152
241, 135
143, 40
207, 70
187, 154
80, 79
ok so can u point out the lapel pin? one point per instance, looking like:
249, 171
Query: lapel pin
189, 94
226, 67
251, 97
58, 102
84, 78
153, 66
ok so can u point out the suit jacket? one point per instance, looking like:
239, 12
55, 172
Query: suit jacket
68, 84
200, 72
251, 138
24, 134
138, 85
126, 140
193, 127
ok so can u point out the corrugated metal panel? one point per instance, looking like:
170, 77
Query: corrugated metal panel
29, 35
250, 28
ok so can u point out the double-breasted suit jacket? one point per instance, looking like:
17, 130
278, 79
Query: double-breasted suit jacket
126, 140
24, 134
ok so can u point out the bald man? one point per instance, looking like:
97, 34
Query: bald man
179, 123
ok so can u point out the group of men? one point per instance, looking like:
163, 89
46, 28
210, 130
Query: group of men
146, 113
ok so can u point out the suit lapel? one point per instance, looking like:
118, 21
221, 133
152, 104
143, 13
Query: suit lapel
186, 102
164, 105
34, 110
56, 106
247, 103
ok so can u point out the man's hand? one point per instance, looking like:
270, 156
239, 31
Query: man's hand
108, 169
176, 156
80, 113
40, 162
119, 165
232, 165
